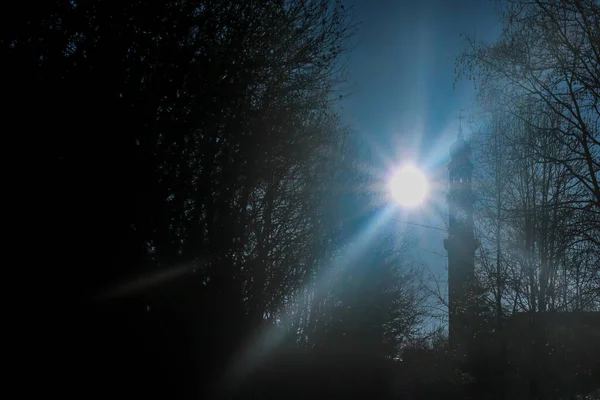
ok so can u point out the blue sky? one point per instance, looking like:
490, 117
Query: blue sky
405, 104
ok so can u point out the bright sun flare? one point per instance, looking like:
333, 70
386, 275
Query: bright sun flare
409, 186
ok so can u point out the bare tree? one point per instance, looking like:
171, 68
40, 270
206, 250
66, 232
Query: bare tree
548, 53
539, 80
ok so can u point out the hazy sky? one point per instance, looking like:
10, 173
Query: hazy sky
405, 104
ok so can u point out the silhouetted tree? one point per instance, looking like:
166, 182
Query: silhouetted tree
194, 183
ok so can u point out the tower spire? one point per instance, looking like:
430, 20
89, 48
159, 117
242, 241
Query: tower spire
460, 118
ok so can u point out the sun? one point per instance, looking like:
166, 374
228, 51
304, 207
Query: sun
408, 186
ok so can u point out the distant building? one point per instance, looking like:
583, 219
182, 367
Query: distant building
552, 354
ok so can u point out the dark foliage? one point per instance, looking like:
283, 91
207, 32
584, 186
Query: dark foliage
185, 174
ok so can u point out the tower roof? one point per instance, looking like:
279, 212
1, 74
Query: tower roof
460, 148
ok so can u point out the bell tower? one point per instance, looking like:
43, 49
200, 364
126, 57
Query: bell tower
460, 243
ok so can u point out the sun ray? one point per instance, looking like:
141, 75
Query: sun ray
268, 340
